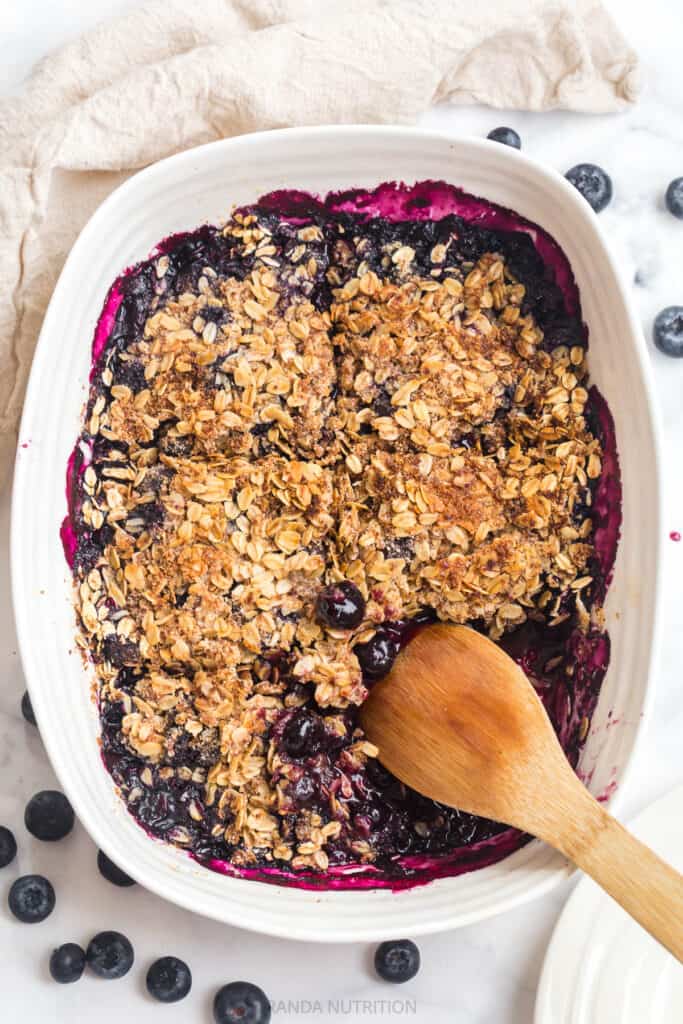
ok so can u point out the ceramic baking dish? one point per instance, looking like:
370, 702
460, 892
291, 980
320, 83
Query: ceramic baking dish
201, 185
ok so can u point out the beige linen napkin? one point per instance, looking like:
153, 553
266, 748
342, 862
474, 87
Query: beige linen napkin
174, 74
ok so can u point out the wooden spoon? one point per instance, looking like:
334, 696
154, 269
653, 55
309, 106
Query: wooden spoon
457, 720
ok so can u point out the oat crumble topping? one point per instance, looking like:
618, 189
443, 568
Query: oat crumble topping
315, 403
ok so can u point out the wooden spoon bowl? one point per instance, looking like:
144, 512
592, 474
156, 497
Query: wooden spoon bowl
458, 721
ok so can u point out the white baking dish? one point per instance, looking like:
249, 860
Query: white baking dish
201, 185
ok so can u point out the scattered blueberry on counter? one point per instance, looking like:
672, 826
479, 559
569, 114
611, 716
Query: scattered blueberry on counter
169, 979
594, 184
668, 331
674, 198
49, 816
397, 961
111, 872
8, 847
340, 606
67, 963
110, 955
27, 709
240, 1002
508, 136
31, 899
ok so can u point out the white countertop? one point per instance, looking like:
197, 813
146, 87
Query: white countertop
484, 974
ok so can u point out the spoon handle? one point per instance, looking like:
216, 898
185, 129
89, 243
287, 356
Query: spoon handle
648, 889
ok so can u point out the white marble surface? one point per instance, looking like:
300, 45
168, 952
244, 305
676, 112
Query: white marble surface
484, 974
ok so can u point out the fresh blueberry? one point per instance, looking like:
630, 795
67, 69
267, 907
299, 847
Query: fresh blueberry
668, 331
240, 1002
49, 816
31, 899
111, 872
376, 655
674, 198
340, 606
302, 735
110, 955
27, 709
397, 961
169, 979
594, 184
67, 963
8, 847
508, 136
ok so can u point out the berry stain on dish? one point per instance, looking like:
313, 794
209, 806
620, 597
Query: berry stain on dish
310, 432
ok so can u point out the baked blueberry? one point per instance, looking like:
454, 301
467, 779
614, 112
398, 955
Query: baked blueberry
110, 955
594, 184
131, 374
49, 816
27, 709
302, 735
508, 136
397, 961
31, 899
8, 847
376, 655
303, 791
240, 1002
668, 331
111, 872
169, 979
674, 198
340, 606
67, 963
120, 653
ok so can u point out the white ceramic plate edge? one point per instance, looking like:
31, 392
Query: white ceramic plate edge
577, 957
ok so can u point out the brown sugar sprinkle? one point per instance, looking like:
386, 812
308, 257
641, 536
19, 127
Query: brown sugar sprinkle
425, 362
415, 438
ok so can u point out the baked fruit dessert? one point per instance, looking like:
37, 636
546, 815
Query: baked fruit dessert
310, 431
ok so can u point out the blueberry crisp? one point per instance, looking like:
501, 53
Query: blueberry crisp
310, 431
